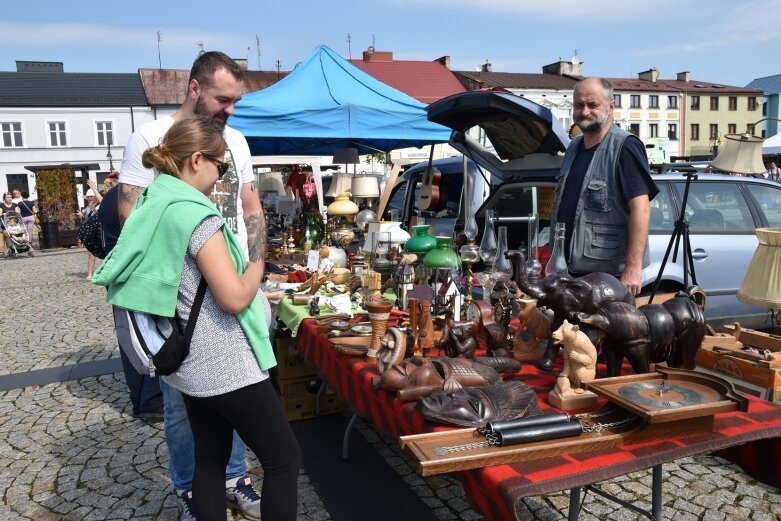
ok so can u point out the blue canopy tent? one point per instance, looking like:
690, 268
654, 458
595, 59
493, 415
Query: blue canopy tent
328, 103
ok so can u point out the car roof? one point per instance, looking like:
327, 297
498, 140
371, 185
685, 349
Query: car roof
523, 135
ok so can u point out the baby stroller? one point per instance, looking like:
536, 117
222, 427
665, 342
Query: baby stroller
17, 232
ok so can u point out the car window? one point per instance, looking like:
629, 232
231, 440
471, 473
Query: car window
663, 212
396, 201
769, 199
716, 208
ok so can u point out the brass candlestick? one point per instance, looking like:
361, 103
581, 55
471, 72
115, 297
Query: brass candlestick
470, 254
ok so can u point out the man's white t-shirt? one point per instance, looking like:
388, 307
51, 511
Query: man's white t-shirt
226, 195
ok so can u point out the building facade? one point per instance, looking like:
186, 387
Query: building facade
771, 109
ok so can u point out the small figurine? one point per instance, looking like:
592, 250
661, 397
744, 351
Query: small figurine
426, 340
314, 307
580, 365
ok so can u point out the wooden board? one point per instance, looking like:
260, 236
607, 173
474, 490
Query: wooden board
758, 339
421, 447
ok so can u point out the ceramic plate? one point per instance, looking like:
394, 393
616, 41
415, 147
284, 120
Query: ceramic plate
340, 324
361, 329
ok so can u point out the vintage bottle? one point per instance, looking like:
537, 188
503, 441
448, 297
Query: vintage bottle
557, 264
488, 243
533, 266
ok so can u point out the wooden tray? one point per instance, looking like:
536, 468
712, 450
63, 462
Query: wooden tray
351, 345
421, 447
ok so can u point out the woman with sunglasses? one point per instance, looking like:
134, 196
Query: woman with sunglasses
179, 237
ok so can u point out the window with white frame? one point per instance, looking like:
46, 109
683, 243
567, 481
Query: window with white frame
104, 131
12, 134
672, 131
653, 101
653, 130
634, 101
57, 136
672, 102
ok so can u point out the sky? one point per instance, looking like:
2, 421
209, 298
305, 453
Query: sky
728, 42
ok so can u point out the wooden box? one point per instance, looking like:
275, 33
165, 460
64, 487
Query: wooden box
299, 399
723, 354
290, 360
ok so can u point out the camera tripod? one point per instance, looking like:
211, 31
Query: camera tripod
680, 235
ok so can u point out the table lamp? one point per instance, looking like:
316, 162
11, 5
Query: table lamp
762, 283
742, 154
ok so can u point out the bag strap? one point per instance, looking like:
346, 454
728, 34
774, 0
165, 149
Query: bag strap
195, 310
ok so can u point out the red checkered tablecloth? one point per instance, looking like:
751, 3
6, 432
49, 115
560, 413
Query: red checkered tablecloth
752, 439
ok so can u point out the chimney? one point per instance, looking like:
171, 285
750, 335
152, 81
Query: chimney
486, 67
649, 75
444, 60
372, 55
28, 66
683, 76
242, 63
563, 68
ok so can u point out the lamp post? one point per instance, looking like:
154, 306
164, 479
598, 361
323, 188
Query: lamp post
109, 156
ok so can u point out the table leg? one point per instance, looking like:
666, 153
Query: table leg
317, 397
656, 498
574, 504
656, 492
346, 439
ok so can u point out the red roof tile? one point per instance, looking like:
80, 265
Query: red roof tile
425, 81
168, 86
518, 80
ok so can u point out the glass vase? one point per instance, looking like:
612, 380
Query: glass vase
488, 243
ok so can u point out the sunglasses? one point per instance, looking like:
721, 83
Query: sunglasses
222, 166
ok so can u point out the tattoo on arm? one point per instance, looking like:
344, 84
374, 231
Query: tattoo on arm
128, 194
257, 234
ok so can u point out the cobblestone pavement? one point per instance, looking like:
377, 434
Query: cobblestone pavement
72, 450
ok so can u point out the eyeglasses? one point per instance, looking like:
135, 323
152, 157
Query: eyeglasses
222, 166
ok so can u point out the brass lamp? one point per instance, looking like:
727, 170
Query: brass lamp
762, 283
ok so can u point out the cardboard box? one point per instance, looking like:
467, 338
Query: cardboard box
290, 360
738, 369
299, 399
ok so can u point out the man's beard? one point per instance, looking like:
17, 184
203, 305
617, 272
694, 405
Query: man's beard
200, 110
594, 125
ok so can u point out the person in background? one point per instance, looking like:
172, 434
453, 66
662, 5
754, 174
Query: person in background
17, 196
772, 173
224, 379
7, 206
215, 85
86, 212
28, 209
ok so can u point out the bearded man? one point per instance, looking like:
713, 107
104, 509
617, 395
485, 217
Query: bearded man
604, 191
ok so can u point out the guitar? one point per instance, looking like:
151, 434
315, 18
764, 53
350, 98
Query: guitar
430, 193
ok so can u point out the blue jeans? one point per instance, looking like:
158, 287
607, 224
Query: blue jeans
144, 390
181, 446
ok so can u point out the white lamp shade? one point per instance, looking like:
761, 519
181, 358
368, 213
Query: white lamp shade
271, 182
741, 154
762, 283
365, 186
340, 182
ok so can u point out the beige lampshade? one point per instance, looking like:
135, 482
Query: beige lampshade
762, 284
365, 186
340, 182
342, 205
741, 154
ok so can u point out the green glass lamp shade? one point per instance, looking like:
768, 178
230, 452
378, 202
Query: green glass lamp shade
443, 255
421, 242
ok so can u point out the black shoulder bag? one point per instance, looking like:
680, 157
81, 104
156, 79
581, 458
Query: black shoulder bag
177, 345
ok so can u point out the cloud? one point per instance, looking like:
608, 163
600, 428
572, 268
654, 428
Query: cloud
608, 11
53, 34
748, 26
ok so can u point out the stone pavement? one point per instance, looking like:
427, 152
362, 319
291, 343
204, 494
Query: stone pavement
72, 450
